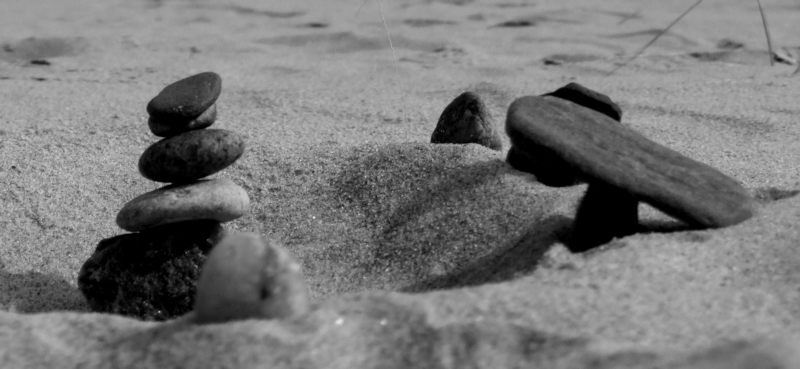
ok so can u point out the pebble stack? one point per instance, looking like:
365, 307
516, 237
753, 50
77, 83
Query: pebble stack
152, 273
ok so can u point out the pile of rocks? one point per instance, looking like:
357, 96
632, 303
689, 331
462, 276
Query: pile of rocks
152, 273
573, 135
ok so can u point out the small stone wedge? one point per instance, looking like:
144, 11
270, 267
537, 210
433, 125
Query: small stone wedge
588, 98
603, 151
467, 120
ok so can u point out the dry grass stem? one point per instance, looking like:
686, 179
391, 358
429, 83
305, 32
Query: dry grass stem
665, 30
766, 31
388, 35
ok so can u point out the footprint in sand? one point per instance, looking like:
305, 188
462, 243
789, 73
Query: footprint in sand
346, 42
34, 48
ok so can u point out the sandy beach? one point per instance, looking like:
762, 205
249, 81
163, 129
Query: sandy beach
415, 254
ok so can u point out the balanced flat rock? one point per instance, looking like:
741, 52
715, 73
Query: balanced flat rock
191, 155
186, 99
172, 128
218, 199
606, 152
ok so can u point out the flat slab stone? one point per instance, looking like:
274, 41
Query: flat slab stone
604, 151
218, 199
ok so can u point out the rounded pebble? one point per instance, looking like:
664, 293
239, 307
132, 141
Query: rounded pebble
249, 277
467, 120
191, 155
217, 199
186, 99
169, 129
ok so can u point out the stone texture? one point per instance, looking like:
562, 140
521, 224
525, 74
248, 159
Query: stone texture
547, 167
171, 128
186, 99
467, 120
588, 98
217, 199
191, 155
149, 275
249, 277
604, 152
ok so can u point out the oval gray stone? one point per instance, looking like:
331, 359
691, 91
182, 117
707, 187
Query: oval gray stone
217, 199
249, 277
191, 155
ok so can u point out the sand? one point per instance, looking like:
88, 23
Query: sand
445, 241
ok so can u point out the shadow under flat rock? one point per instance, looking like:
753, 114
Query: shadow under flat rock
518, 258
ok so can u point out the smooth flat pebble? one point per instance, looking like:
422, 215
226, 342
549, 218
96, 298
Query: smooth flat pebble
218, 199
171, 128
467, 120
602, 151
191, 155
249, 277
186, 99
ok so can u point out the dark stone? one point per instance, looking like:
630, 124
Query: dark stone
728, 44
548, 168
604, 213
172, 128
191, 155
186, 99
150, 275
467, 120
588, 98
603, 152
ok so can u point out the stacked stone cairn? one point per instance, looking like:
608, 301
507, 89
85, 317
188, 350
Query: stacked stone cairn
152, 272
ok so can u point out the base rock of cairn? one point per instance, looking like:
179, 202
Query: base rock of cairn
152, 274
